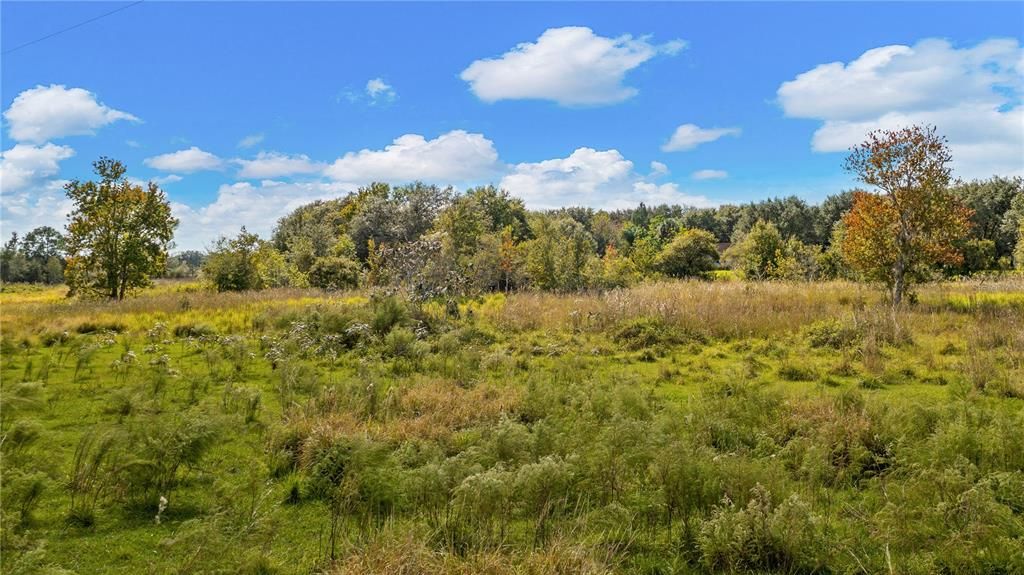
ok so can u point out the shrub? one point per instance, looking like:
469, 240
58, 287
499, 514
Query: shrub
796, 372
334, 273
99, 327
156, 453
388, 313
763, 537
690, 253
193, 330
23, 492
402, 343
831, 333
648, 332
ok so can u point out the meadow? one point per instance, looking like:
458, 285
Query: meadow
672, 427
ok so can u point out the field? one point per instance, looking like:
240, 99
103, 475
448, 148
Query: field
682, 427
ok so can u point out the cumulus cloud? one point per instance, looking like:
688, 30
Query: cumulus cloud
25, 165
250, 141
710, 175
258, 206
571, 66
589, 177
275, 165
689, 136
972, 95
185, 161
49, 112
456, 156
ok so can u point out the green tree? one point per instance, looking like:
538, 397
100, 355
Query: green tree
390, 216
542, 254
829, 213
689, 254
231, 265
756, 254
13, 264
830, 263
334, 272
991, 201
118, 235
501, 210
559, 257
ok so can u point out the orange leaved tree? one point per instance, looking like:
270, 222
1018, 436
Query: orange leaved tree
912, 222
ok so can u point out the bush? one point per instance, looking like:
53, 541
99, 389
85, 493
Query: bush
334, 273
831, 333
193, 330
648, 332
99, 327
402, 343
690, 253
388, 313
158, 451
763, 537
795, 372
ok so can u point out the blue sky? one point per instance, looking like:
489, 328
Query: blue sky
242, 111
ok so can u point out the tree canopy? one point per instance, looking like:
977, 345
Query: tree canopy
118, 233
914, 220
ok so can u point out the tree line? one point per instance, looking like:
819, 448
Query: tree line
913, 223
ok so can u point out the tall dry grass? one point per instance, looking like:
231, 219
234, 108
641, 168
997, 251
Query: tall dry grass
741, 309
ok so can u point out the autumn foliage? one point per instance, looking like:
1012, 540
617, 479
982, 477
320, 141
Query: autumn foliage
915, 221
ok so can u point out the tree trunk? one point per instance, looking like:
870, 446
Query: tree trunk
899, 282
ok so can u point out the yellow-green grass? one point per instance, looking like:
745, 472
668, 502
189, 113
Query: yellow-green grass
710, 350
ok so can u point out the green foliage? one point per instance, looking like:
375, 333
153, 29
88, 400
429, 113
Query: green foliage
756, 253
560, 254
763, 537
832, 333
690, 253
334, 272
36, 258
389, 313
994, 216
649, 332
118, 235
978, 255
519, 433
248, 263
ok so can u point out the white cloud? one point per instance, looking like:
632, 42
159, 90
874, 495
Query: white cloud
48, 112
972, 95
710, 175
588, 177
571, 66
250, 141
185, 161
168, 179
689, 136
275, 165
45, 204
456, 156
658, 169
380, 91
25, 165
256, 206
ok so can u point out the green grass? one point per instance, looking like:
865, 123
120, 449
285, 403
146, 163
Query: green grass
676, 428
